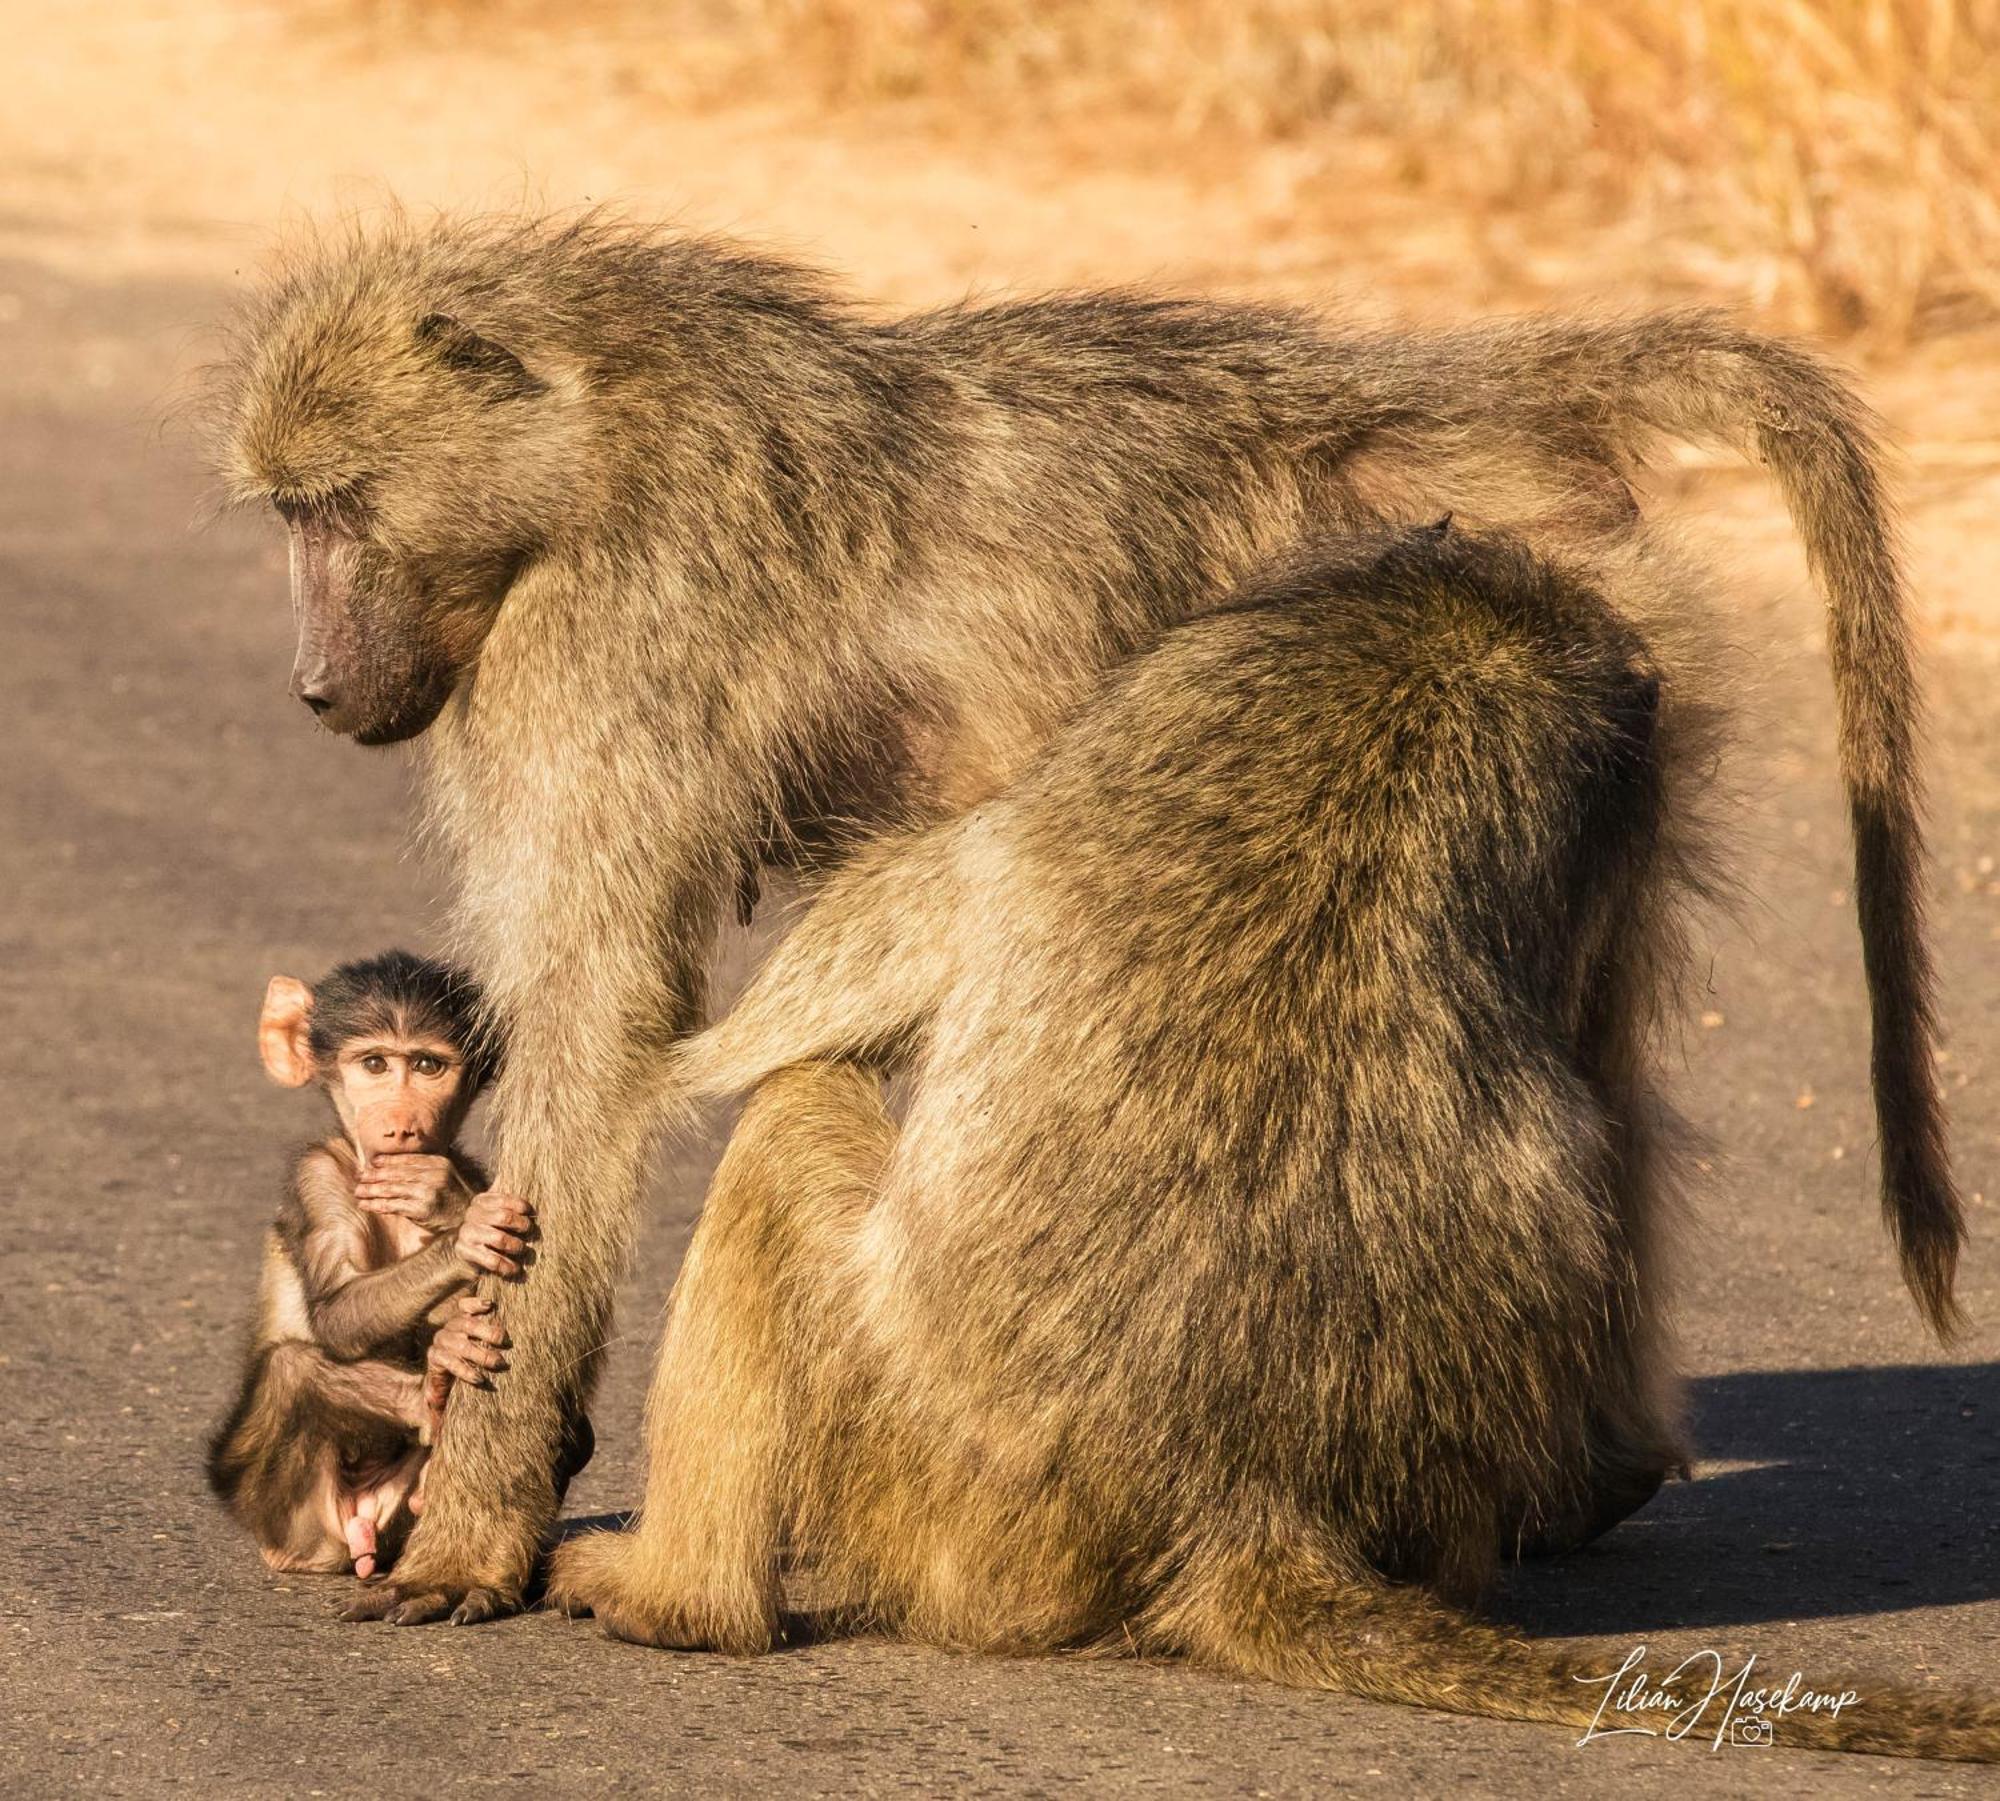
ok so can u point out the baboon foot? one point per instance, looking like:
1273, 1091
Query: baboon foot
639, 1596
467, 1568
1617, 1495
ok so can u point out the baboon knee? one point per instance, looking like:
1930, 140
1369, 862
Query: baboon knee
822, 1125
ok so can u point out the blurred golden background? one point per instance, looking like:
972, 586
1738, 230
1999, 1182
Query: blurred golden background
1836, 165
1837, 162
1831, 168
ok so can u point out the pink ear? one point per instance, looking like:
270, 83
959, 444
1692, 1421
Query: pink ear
284, 1032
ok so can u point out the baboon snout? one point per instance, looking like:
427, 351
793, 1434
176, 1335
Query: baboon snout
394, 1127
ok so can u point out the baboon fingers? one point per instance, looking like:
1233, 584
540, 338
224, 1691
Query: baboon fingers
465, 1369
376, 1602
481, 1605
396, 1605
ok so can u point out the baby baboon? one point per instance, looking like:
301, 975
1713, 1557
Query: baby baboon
678, 563
1270, 1220
362, 1315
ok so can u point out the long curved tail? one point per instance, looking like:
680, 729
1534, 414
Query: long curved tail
1582, 393
1399, 1644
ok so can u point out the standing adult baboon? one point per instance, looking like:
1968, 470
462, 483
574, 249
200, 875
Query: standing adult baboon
679, 560
1271, 1219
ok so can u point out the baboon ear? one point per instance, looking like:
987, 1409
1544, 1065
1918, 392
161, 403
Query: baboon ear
284, 1032
458, 346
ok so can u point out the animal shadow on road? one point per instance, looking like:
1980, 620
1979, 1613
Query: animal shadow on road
1818, 1493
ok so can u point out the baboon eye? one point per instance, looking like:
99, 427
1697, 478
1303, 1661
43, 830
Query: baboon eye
457, 346
375, 1063
345, 510
426, 1065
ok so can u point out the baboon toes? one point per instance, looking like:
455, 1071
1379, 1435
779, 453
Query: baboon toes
609, 1575
405, 1606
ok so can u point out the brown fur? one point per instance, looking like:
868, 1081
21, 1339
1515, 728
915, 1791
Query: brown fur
328, 1396
678, 560
331, 1402
1269, 1233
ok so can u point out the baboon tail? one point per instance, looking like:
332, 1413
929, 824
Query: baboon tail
1696, 376
1402, 1645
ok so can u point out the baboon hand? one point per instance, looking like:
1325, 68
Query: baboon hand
494, 1237
420, 1604
415, 1186
468, 1347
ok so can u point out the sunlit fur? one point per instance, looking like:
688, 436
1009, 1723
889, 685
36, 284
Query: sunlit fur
1271, 1237
734, 570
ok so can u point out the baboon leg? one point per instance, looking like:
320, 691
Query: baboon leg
1635, 1442
277, 1460
369, 1390
748, 1318
296, 1390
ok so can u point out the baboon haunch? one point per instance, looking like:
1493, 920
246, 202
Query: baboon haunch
678, 561
1269, 1231
363, 1318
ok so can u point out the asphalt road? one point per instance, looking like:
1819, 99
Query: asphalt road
173, 832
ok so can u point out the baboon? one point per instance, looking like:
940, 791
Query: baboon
679, 563
1272, 1213
363, 1315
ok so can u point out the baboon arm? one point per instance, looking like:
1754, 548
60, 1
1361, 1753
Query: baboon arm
578, 1106
373, 1389
300, 1374
353, 1308
859, 976
369, 1311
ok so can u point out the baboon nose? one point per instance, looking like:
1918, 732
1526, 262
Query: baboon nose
315, 688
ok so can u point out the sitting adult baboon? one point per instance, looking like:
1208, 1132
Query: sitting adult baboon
678, 561
1270, 1223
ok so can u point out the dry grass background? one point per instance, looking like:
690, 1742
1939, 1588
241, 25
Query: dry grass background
1839, 160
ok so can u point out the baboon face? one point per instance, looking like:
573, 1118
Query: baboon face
378, 655
414, 463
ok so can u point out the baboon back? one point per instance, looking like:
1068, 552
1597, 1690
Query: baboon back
1254, 1138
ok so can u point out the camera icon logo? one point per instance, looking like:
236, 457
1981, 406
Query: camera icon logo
1750, 1732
